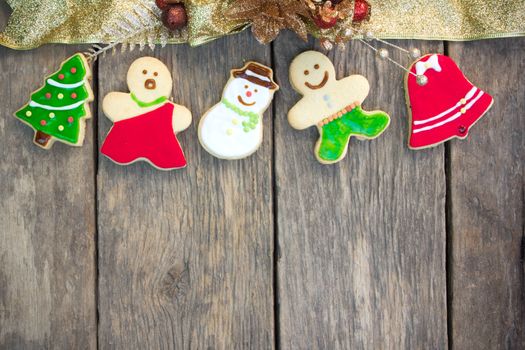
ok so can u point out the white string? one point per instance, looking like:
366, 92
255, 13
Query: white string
388, 58
384, 42
393, 45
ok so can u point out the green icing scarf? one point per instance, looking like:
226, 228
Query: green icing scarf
148, 104
253, 118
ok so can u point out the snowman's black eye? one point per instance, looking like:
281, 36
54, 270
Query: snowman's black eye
245, 86
156, 74
316, 66
306, 72
144, 72
255, 90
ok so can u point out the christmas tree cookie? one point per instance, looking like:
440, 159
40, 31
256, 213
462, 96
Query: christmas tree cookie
334, 106
58, 110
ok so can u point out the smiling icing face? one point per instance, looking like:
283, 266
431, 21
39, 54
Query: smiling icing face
148, 79
311, 71
247, 96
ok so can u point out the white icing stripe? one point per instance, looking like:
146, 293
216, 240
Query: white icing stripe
454, 117
467, 97
262, 77
471, 103
64, 86
51, 108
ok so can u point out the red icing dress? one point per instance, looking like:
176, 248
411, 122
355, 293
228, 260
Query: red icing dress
148, 136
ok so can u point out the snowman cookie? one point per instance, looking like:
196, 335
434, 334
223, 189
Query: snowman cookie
233, 129
334, 106
145, 121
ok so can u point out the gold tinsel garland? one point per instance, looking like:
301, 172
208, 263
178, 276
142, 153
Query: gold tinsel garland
36, 22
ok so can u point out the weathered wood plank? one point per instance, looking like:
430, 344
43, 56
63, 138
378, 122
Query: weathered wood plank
487, 203
362, 243
186, 256
47, 220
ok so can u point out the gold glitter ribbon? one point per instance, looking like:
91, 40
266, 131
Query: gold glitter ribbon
37, 22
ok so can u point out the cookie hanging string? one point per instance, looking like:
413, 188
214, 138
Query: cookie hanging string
384, 54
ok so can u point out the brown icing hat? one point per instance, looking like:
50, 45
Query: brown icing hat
257, 74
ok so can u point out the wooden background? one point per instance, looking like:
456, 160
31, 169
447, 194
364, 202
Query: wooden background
389, 249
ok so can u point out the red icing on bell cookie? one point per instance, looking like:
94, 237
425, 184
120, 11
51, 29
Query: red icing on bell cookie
444, 107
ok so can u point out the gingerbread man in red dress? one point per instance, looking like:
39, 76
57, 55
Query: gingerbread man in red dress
145, 121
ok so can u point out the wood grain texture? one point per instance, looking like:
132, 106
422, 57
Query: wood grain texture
185, 257
487, 203
362, 242
47, 220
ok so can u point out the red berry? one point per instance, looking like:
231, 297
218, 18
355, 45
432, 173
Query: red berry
323, 24
175, 17
48, 95
162, 4
73, 70
73, 95
61, 76
70, 119
361, 11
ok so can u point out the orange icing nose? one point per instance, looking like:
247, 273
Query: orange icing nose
249, 93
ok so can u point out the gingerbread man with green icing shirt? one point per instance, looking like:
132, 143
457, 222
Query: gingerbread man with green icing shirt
334, 106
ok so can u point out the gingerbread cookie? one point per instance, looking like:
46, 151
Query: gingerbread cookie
58, 110
145, 121
442, 102
334, 106
233, 129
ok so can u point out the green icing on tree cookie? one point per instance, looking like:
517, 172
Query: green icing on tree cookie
56, 109
336, 134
